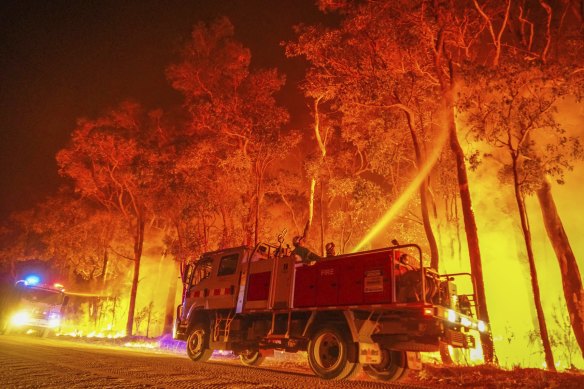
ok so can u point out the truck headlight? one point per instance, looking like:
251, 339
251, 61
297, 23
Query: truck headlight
465, 321
451, 316
54, 320
481, 326
20, 318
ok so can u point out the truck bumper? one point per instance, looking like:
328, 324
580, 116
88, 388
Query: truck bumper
180, 331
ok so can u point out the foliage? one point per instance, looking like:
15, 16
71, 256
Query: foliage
517, 111
561, 335
234, 115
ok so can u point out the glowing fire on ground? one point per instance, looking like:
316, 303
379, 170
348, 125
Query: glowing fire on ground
93, 334
148, 345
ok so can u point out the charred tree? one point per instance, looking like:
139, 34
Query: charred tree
547, 348
470, 225
434, 255
170, 299
571, 278
138, 246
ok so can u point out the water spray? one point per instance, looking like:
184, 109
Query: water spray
410, 190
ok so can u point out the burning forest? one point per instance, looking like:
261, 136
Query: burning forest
456, 126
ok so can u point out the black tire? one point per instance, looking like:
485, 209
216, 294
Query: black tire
330, 353
393, 366
251, 358
198, 343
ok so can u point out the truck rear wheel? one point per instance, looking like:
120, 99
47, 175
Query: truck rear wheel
198, 343
330, 353
392, 367
251, 358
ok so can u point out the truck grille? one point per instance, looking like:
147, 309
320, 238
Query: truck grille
38, 314
458, 339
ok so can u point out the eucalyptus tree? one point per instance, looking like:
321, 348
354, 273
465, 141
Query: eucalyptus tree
109, 160
233, 107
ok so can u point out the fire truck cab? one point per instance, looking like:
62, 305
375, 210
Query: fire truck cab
35, 307
377, 309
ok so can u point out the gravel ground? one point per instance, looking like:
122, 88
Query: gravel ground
31, 362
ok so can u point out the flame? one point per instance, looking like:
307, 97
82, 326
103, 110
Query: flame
148, 345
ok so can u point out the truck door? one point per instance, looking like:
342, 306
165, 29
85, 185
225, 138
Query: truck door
221, 291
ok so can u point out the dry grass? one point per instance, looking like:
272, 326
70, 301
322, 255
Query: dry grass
490, 377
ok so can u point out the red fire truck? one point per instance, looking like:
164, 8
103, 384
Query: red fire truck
34, 306
377, 309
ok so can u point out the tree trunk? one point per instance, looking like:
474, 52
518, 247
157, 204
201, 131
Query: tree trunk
446, 81
138, 245
571, 279
148, 322
104, 268
204, 231
321, 204
547, 348
311, 203
434, 256
170, 301
470, 226
225, 232
258, 200
322, 148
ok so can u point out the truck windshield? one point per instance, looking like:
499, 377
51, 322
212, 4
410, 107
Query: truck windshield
202, 270
45, 296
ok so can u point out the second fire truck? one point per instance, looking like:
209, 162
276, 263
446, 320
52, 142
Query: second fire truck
377, 309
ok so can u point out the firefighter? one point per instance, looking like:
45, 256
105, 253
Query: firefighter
330, 249
302, 253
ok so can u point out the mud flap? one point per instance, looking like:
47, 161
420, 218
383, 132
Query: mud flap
414, 360
369, 353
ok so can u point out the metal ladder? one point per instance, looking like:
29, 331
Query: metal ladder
218, 331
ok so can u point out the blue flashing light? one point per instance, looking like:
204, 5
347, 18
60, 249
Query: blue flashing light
32, 280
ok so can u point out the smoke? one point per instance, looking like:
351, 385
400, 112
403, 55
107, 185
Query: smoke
506, 270
507, 279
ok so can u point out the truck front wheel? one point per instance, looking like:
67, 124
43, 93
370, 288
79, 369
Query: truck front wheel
330, 352
198, 343
391, 368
